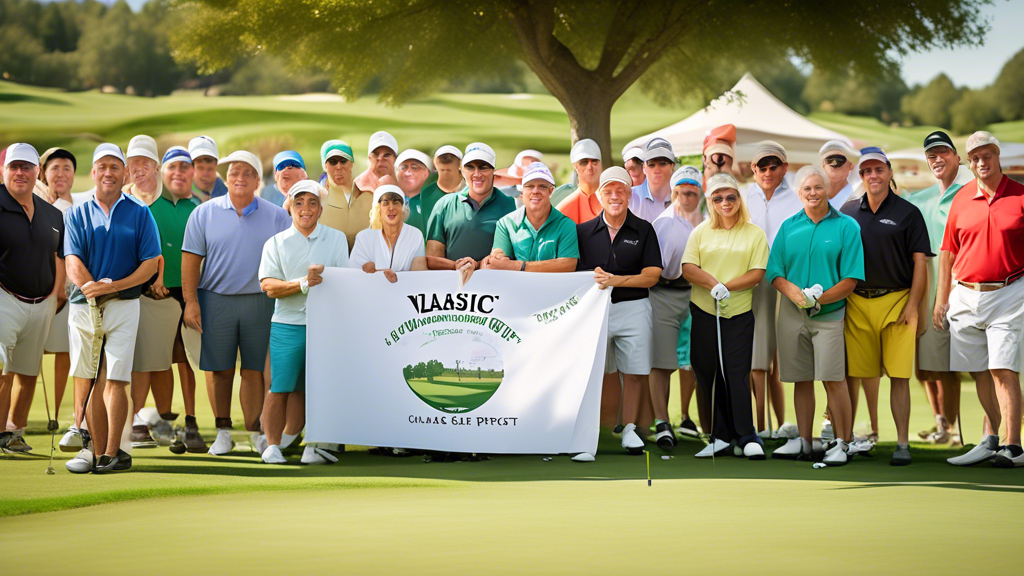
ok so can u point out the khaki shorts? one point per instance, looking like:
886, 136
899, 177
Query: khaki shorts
933, 349
809, 350
629, 336
158, 325
23, 330
670, 307
765, 306
57, 338
874, 341
118, 322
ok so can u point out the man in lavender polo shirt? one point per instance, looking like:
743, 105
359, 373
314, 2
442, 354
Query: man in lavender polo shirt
225, 303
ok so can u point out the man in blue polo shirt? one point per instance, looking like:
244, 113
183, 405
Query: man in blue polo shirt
225, 303
815, 262
111, 249
288, 169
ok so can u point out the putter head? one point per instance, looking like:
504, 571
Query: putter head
50, 471
52, 426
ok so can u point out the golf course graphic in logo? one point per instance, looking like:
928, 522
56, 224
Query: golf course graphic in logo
456, 373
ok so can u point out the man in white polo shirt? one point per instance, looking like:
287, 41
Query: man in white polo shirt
383, 153
771, 200
652, 197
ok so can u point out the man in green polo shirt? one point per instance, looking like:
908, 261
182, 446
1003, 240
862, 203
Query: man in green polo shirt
536, 237
941, 385
171, 212
815, 263
460, 231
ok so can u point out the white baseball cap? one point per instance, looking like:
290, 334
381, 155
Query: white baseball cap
537, 170
979, 139
144, 146
630, 153
769, 148
382, 138
388, 188
659, 148
411, 154
21, 152
838, 148
202, 146
307, 186
720, 181
448, 149
246, 157
585, 149
615, 174
108, 149
479, 151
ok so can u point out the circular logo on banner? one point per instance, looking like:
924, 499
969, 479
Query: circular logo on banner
455, 373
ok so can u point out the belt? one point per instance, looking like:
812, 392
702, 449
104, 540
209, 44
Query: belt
987, 286
673, 284
875, 292
24, 299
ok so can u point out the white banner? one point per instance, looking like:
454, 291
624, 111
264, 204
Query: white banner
511, 363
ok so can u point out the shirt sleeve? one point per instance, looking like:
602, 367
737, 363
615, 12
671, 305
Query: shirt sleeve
652, 249
671, 253
148, 237
74, 236
950, 239
502, 241
758, 250
568, 244
435, 224
777, 257
361, 252
851, 259
195, 232
284, 219
917, 234
270, 264
691, 255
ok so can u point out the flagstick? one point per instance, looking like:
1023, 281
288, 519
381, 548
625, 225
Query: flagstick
648, 454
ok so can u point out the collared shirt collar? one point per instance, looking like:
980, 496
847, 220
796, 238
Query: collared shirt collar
120, 197
252, 207
293, 232
7, 201
166, 195
472, 203
832, 213
645, 193
525, 220
999, 189
865, 205
630, 221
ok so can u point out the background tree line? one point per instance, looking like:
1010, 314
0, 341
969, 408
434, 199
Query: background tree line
80, 45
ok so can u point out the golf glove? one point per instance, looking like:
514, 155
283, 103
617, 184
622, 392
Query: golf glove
809, 299
719, 292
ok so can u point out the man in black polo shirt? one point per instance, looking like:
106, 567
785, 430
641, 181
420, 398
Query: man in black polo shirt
881, 314
31, 278
622, 250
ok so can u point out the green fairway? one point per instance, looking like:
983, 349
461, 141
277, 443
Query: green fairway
452, 394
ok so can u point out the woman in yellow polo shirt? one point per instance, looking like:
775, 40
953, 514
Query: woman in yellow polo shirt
725, 258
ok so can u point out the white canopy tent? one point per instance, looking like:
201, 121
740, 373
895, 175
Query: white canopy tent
759, 116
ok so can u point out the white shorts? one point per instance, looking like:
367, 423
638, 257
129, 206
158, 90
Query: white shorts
57, 338
118, 322
629, 336
986, 328
23, 330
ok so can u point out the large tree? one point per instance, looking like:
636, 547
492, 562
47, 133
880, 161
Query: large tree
586, 53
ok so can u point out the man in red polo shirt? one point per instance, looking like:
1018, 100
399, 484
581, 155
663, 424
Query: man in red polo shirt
983, 250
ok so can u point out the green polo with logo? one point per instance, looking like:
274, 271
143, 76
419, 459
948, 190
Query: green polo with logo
806, 253
517, 238
171, 214
934, 206
464, 228
422, 204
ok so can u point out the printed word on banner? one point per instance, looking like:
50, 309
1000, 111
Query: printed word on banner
510, 363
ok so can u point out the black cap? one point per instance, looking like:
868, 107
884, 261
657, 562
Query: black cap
54, 153
936, 139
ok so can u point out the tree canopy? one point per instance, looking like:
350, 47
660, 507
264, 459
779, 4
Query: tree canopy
586, 53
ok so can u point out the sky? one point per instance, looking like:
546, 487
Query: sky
973, 67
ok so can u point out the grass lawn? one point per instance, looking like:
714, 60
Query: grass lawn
452, 394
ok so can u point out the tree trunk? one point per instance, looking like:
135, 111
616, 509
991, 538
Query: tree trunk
590, 116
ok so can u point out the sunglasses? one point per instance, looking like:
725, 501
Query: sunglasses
836, 161
731, 199
767, 166
335, 160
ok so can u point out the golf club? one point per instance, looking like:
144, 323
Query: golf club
51, 424
721, 364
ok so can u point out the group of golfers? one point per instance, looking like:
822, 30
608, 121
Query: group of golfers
794, 278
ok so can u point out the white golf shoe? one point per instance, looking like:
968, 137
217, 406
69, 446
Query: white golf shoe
162, 432
81, 463
315, 455
272, 455
71, 441
714, 448
859, 446
836, 455
983, 452
753, 451
630, 441
1005, 459
788, 430
223, 444
258, 441
791, 450
827, 433
583, 457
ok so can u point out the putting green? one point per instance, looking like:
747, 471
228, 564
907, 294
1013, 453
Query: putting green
615, 527
450, 394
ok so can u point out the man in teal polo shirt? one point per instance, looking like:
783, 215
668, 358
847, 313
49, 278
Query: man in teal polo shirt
460, 231
941, 385
536, 237
815, 263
